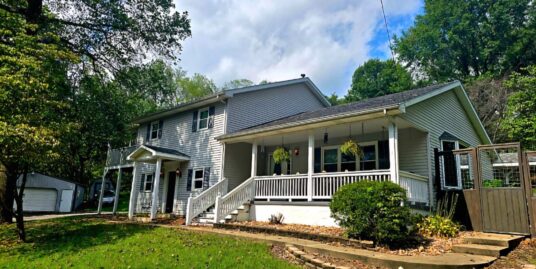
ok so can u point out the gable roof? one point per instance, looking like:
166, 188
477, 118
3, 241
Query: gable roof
219, 96
396, 102
157, 152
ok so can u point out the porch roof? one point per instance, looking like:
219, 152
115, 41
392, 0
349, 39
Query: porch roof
149, 153
391, 104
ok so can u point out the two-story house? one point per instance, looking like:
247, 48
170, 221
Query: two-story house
216, 153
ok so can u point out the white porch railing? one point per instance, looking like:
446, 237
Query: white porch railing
416, 187
234, 199
326, 184
197, 205
281, 187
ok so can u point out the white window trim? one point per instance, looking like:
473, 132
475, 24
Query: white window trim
194, 179
158, 130
145, 182
458, 167
207, 109
357, 159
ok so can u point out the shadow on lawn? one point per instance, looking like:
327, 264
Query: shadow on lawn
75, 234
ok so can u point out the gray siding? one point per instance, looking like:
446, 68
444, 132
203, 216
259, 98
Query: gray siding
237, 163
412, 155
253, 108
201, 146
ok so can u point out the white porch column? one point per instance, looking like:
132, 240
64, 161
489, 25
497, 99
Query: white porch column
103, 185
310, 166
156, 188
254, 159
133, 191
117, 190
393, 152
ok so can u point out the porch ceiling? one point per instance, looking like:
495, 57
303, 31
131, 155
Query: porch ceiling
378, 125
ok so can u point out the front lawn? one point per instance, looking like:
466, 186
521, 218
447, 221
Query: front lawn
95, 243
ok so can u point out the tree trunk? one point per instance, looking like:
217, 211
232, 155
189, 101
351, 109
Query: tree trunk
8, 184
19, 216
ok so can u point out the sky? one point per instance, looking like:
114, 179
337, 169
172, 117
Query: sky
281, 39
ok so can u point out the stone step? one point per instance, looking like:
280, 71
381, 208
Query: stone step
476, 249
503, 240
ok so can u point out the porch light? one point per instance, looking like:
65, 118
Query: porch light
296, 151
325, 137
178, 172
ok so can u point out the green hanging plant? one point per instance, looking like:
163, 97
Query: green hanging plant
350, 147
280, 155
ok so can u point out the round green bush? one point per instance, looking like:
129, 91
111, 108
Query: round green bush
372, 210
437, 225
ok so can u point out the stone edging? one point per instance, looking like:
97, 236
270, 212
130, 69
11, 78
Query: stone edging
310, 260
296, 234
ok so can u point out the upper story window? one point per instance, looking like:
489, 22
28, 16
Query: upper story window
203, 119
154, 130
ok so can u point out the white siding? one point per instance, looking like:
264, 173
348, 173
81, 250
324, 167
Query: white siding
253, 108
201, 146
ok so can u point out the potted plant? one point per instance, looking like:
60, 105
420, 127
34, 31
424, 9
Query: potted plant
350, 147
280, 155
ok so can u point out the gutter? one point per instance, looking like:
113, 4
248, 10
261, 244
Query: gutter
317, 122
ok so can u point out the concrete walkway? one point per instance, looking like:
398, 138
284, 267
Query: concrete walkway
57, 216
448, 260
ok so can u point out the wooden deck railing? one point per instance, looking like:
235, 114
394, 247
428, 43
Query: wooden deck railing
197, 205
118, 157
326, 184
234, 199
416, 187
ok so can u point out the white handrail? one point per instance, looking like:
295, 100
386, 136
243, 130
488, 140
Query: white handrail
197, 205
416, 187
281, 187
234, 199
326, 184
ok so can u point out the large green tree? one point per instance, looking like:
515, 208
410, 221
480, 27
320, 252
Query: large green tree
40, 45
461, 39
520, 121
376, 78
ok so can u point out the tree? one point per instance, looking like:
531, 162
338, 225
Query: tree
520, 121
39, 43
464, 39
376, 78
237, 83
335, 100
195, 87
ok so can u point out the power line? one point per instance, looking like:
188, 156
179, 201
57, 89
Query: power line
388, 34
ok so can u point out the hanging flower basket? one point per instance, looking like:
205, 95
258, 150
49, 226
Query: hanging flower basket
280, 155
350, 147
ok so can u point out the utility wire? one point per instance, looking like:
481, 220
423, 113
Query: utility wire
388, 34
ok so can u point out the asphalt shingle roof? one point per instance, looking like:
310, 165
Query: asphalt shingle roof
364, 105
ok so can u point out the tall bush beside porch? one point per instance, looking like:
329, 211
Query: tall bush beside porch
372, 210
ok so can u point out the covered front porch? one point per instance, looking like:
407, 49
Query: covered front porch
392, 150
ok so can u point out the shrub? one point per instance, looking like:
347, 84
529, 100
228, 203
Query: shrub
280, 155
437, 225
372, 210
492, 183
276, 218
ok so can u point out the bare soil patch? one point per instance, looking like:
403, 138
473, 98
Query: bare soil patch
524, 256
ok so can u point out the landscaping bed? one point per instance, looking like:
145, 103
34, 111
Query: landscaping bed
417, 246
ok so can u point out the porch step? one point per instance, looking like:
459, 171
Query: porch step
477, 249
502, 240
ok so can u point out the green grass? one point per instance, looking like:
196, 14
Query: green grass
95, 243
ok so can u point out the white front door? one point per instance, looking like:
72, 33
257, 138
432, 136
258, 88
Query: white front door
66, 200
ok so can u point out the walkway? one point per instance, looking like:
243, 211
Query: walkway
448, 260
57, 216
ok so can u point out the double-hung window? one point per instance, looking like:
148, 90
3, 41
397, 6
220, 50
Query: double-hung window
333, 160
199, 175
148, 182
368, 161
155, 130
202, 121
450, 166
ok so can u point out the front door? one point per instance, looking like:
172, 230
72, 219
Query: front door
172, 178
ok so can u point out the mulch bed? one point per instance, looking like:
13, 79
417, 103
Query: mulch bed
523, 257
421, 246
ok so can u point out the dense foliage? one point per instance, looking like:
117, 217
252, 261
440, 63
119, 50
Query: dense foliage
376, 78
372, 210
520, 121
463, 39
437, 225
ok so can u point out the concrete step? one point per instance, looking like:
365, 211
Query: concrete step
476, 249
503, 240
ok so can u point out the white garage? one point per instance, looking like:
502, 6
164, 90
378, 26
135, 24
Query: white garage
50, 194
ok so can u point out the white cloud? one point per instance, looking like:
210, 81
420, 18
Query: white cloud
277, 40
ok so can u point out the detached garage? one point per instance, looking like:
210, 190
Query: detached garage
49, 194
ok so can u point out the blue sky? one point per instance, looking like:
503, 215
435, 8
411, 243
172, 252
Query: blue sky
280, 39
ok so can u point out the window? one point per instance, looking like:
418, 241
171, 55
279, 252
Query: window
202, 121
331, 159
197, 179
368, 160
155, 130
451, 172
148, 182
